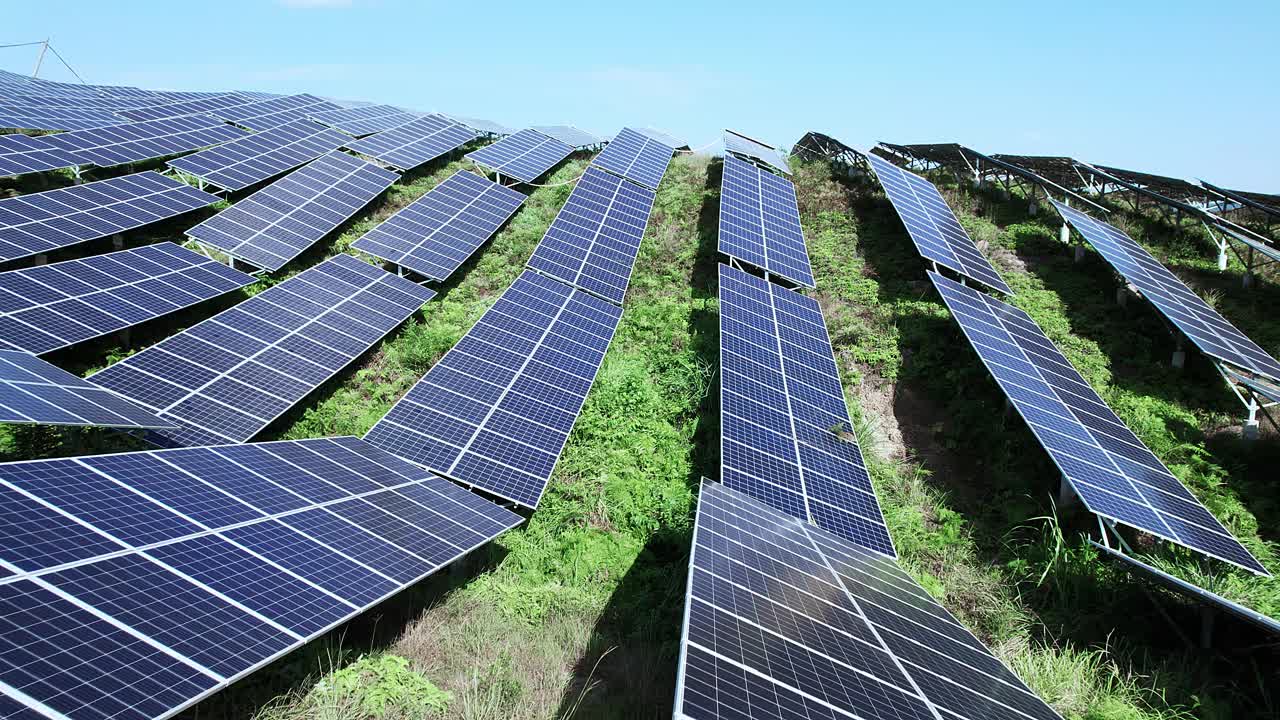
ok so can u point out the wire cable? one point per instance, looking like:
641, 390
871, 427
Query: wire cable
67, 65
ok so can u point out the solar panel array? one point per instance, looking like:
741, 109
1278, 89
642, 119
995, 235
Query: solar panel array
364, 120
266, 114
120, 144
592, 243
935, 230
274, 225
740, 144
227, 378
48, 307
137, 583
636, 157
484, 126
786, 437
496, 410
20, 117
760, 222
1212, 333
524, 156
1114, 474
201, 106
261, 156
33, 391
569, 135
20, 154
784, 620
40, 222
412, 144
436, 233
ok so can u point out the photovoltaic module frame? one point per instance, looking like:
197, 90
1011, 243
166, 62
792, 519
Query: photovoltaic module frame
261, 156
33, 391
760, 222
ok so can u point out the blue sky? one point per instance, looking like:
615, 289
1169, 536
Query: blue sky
1174, 87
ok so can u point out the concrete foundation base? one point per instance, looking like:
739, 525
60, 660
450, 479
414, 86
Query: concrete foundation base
1079, 253
1247, 280
1179, 360
1064, 233
1249, 431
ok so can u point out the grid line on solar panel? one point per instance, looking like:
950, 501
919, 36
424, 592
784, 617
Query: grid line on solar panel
277, 223
785, 620
785, 429
760, 222
496, 410
266, 114
1112, 471
593, 241
364, 120
20, 154
524, 156
237, 165
48, 307
635, 157
49, 118
228, 377
1204, 326
932, 225
132, 142
40, 222
201, 106
436, 233
223, 595
33, 391
568, 134
414, 143
736, 142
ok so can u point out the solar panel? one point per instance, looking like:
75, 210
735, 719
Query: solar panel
484, 126
33, 391
260, 156
935, 230
436, 233
592, 243
274, 225
496, 410
120, 144
364, 120
227, 378
783, 620
569, 135
737, 143
760, 222
1211, 333
266, 114
636, 157
140, 582
412, 144
667, 139
48, 307
1114, 474
113, 104
20, 154
786, 437
524, 156
20, 117
40, 222
201, 106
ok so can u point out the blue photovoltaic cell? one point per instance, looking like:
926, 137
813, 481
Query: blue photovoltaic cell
47, 307
934, 229
436, 233
1211, 333
786, 437
92, 628
266, 114
496, 410
665, 138
364, 120
760, 222
740, 144
33, 391
120, 144
784, 620
636, 157
592, 243
274, 225
412, 144
201, 106
1114, 474
484, 126
227, 378
18, 117
20, 154
568, 134
40, 222
260, 156
524, 156
114, 104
